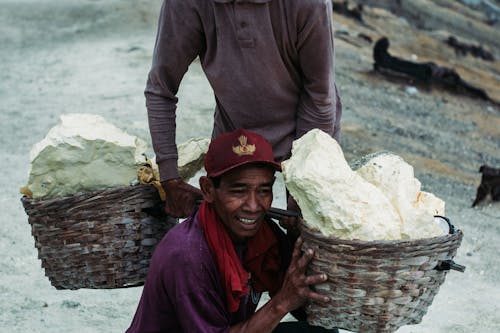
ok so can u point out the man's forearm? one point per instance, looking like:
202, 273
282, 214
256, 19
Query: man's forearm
161, 117
264, 320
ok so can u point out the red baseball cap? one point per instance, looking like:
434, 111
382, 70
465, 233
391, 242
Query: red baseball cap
233, 149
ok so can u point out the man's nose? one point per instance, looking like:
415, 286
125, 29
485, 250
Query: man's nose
251, 202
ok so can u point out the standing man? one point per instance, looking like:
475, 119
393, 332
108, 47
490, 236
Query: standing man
208, 272
270, 64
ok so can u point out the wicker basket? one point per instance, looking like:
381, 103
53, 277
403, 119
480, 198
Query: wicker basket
98, 240
376, 286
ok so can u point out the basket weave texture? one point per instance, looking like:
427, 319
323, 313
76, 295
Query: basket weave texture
99, 240
376, 286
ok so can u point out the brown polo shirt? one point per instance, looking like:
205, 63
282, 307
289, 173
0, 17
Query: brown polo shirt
269, 62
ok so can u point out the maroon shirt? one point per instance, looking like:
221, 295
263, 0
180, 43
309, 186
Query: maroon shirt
183, 291
269, 62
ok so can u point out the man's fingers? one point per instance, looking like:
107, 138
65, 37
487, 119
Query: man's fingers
304, 260
316, 278
297, 249
173, 210
290, 223
301, 259
191, 190
314, 296
181, 207
181, 197
286, 222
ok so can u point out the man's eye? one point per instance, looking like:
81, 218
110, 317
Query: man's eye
265, 191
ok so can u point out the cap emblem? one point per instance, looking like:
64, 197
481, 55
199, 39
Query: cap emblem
244, 148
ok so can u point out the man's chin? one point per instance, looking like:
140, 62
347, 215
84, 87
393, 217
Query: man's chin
249, 229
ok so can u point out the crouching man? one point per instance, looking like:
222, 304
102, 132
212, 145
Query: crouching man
208, 272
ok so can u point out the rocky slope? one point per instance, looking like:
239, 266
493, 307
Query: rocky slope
443, 134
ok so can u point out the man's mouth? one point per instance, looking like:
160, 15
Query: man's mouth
247, 221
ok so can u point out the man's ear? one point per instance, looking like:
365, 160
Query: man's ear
207, 188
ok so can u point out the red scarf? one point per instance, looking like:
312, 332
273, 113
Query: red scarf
262, 258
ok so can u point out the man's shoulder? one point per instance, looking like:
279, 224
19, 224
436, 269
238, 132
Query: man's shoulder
184, 242
183, 255
306, 9
184, 233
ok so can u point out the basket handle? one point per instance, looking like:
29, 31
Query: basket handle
446, 265
277, 213
273, 212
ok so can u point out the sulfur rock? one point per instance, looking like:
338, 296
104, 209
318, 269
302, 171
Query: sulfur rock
333, 198
83, 153
381, 200
395, 178
191, 155
430, 203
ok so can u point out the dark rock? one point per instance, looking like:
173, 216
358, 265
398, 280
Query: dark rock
428, 73
343, 9
490, 184
463, 49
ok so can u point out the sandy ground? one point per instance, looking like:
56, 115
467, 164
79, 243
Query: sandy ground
93, 57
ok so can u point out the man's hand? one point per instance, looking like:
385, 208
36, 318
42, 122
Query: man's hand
296, 290
180, 197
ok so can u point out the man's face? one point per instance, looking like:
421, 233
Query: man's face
242, 199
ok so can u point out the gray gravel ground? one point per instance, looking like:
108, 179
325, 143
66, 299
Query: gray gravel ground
93, 56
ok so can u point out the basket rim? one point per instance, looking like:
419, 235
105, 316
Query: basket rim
458, 234
115, 189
